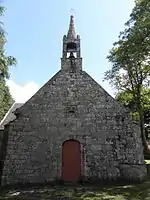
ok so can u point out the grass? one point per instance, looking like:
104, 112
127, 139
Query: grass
91, 192
147, 161
121, 192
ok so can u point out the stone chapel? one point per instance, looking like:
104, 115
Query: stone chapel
72, 130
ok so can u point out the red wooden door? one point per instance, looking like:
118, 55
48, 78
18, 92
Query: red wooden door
71, 160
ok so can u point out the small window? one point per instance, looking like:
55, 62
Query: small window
71, 110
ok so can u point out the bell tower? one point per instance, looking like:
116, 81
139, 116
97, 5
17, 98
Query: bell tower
71, 60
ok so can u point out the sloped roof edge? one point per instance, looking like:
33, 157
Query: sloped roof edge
9, 116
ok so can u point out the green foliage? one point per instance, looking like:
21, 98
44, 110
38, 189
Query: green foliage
5, 61
127, 99
130, 55
5, 99
138, 1
130, 58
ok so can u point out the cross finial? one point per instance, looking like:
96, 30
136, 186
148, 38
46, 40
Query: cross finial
72, 11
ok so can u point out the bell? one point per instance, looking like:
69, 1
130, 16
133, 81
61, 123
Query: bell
71, 55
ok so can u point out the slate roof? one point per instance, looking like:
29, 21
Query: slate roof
10, 115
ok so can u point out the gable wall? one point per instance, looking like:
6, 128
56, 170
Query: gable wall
108, 140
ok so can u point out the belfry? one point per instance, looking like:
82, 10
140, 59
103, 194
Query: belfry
71, 49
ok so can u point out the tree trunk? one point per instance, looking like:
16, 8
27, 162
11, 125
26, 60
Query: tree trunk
142, 128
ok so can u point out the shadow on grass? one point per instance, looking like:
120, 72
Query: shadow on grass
121, 192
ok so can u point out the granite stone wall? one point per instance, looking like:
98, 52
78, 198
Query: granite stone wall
73, 106
1, 138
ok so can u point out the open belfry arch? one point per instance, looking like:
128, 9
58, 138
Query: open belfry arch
72, 116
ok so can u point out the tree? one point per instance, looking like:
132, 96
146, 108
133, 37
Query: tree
130, 58
5, 61
127, 100
138, 1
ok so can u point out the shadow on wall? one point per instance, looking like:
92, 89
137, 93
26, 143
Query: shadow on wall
1, 137
3, 148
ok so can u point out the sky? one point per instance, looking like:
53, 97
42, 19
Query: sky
34, 36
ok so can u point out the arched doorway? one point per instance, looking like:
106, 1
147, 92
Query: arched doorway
71, 160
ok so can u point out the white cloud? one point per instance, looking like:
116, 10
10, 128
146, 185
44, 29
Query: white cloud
22, 93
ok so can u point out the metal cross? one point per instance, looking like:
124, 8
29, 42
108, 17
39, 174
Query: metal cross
72, 11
